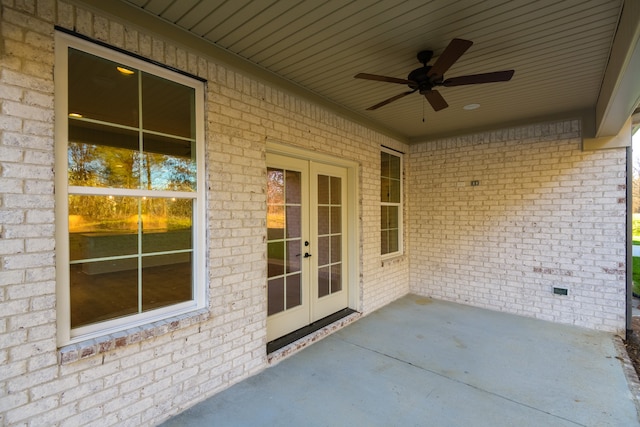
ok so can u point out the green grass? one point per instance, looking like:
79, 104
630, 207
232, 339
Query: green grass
636, 275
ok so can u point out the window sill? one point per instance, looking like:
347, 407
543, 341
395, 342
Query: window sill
392, 259
93, 347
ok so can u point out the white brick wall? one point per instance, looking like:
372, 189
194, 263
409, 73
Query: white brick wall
545, 214
144, 375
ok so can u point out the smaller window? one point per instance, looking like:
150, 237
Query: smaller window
390, 203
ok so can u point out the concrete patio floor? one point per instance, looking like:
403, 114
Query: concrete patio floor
422, 362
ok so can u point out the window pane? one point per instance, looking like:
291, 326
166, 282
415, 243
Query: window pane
385, 191
393, 241
394, 167
102, 291
394, 191
168, 164
166, 280
102, 226
128, 130
393, 217
97, 90
166, 224
384, 164
167, 107
384, 217
384, 242
102, 156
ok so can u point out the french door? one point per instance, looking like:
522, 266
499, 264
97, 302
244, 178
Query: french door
306, 243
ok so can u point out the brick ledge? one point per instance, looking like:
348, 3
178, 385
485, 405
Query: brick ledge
92, 347
288, 350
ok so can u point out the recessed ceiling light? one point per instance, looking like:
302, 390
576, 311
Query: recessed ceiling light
125, 71
471, 107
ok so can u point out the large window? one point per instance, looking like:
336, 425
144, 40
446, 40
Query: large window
129, 191
390, 203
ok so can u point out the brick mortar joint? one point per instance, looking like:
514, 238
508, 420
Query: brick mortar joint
96, 346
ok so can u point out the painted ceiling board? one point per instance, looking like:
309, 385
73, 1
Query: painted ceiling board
559, 50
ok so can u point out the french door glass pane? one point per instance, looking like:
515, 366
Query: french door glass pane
324, 250
329, 234
293, 256
324, 281
324, 220
323, 190
336, 249
275, 222
293, 225
275, 186
284, 234
336, 190
275, 293
294, 293
336, 278
293, 187
275, 253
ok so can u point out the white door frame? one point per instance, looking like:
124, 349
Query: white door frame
353, 208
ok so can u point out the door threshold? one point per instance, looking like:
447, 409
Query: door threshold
336, 320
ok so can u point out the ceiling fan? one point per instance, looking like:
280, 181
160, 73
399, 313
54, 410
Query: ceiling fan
425, 78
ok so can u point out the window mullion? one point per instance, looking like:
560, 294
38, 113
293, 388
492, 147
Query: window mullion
142, 199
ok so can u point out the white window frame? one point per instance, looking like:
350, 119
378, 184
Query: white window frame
399, 204
65, 334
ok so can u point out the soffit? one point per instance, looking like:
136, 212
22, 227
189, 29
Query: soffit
558, 49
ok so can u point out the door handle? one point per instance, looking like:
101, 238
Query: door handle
307, 254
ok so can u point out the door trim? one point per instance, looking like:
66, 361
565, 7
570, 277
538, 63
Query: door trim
353, 206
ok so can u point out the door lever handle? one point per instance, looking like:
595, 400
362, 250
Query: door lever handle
307, 254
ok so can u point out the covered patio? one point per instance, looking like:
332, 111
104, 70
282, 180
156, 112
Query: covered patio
420, 361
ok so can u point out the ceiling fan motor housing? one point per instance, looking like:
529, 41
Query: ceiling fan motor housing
420, 80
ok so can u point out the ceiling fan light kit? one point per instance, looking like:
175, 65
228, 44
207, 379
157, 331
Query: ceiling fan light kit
424, 79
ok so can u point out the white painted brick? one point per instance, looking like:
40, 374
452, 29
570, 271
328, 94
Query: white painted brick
139, 383
555, 210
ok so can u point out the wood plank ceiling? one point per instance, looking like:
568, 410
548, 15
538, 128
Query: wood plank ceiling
558, 48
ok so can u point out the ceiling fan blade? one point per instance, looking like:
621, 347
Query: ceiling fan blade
496, 76
449, 56
390, 100
381, 78
436, 100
